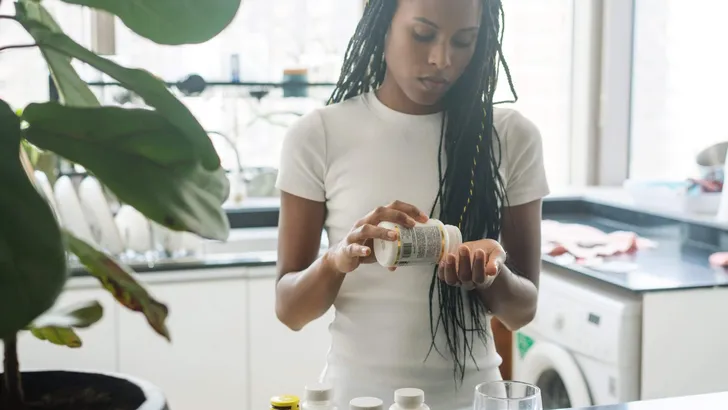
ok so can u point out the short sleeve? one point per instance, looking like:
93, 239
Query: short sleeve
525, 172
303, 159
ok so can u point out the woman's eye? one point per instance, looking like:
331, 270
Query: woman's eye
463, 42
423, 37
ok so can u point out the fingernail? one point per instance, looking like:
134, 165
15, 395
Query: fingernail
392, 235
411, 222
424, 216
365, 251
463, 252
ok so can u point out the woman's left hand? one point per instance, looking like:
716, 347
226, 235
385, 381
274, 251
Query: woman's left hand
476, 265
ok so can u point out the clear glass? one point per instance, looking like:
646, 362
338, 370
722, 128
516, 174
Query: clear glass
507, 395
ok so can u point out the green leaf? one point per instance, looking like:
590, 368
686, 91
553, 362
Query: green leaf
171, 22
117, 279
139, 156
32, 258
72, 90
57, 326
144, 84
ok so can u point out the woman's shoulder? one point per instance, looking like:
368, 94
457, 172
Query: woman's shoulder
514, 128
315, 121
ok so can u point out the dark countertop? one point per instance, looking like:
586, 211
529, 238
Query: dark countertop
679, 262
713, 401
214, 261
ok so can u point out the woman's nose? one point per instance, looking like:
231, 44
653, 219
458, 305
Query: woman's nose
440, 56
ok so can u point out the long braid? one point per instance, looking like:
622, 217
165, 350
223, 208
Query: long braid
471, 190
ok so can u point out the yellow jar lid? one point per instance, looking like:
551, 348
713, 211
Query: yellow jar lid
285, 400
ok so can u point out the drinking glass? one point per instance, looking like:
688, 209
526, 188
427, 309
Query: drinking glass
507, 395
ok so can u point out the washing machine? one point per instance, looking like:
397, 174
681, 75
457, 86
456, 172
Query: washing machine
583, 347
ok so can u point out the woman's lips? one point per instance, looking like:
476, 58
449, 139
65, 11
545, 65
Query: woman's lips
434, 84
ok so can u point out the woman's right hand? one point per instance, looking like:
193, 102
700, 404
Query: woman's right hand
357, 247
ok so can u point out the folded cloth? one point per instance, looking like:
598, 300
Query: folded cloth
586, 242
719, 259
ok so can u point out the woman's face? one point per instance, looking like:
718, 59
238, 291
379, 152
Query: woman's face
429, 45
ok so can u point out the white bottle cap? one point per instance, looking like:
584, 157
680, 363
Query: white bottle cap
455, 238
409, 398
366, 403
318, 392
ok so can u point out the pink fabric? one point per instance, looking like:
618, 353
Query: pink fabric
719, 259
586, 242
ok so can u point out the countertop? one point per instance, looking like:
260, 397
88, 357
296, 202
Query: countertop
684, 241
213, 261
672, 266
713, 401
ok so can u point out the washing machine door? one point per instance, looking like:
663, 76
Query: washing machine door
556, 373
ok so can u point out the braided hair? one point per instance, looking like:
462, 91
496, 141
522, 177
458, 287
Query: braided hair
471, 189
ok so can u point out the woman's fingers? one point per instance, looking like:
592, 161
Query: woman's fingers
384, 213
451, 271
464, 271
479, 267
410, 210
495, 259
354, 250
369, 231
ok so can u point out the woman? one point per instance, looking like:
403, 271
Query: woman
411, 131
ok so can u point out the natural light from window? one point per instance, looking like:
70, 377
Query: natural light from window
679, 85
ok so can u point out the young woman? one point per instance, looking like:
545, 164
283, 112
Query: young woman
411, 133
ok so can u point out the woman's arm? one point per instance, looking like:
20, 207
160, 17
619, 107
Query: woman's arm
307, 285
513, 295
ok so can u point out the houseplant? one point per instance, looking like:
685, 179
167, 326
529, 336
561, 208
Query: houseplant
157, 159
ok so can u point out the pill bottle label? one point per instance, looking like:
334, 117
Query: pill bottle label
421, 245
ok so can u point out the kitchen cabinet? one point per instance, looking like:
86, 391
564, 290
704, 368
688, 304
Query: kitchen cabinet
205, 366
98, 352
281, 361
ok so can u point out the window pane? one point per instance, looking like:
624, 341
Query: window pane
271, 35
679, 85
538, 49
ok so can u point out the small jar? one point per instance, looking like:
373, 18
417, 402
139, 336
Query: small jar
285, 402
366, 403
318, 397
294, 82
424, 244
409, 399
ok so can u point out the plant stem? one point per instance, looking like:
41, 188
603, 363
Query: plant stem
12, 383
17, 46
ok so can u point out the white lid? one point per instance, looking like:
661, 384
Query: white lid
366, 403
409, 397
455, 236
318, 392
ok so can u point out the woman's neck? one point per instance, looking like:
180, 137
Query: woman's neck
391, 95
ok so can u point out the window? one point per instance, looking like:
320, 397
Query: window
679, 85
268, 36
538, 49
23, 72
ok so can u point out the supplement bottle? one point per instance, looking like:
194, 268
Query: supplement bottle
318, 397
424, 244
409, 399
285, 402
366, 403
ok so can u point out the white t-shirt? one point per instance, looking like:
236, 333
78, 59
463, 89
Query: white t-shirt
360, 154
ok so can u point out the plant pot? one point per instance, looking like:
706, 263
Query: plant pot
108, 391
